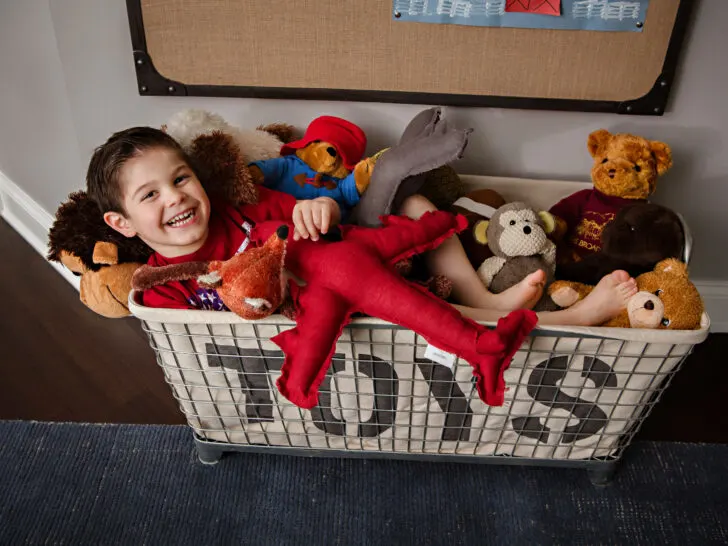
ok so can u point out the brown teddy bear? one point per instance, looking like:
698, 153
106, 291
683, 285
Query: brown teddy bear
666, 299
625, 171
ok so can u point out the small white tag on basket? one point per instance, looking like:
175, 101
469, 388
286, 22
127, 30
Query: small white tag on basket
440, 356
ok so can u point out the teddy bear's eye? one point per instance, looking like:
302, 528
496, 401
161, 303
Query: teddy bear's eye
658, 292
604, 160
665, 322
512, 222
637, 168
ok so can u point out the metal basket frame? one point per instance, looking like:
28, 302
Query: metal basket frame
221, 351
224, 350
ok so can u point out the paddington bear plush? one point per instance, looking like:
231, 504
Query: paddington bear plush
666, 299
103, 258
326, 162
625, 171
640, 235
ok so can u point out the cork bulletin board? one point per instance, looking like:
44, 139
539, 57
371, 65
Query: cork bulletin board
357, 50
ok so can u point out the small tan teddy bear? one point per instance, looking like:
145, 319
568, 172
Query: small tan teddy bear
666, 299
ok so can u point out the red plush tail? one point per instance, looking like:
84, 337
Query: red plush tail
492, 360
401, 237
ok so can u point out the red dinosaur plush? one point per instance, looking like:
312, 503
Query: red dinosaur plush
335, 274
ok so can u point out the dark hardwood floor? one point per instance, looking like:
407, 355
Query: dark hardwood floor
62, 362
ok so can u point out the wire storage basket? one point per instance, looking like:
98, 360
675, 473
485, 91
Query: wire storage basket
575, 396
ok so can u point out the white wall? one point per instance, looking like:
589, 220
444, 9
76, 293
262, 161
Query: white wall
68, 82
38, 147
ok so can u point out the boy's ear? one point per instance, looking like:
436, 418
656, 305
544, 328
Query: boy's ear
118, 222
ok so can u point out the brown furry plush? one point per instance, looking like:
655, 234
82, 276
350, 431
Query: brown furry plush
147, 277
104, 259
284, 132
625, 170
79, 226
222, 169
615, 160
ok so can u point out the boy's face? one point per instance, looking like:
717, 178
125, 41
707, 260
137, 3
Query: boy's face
164, 202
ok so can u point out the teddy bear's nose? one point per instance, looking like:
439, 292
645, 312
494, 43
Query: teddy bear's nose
332, 151
612, 172
649, 305
527, 230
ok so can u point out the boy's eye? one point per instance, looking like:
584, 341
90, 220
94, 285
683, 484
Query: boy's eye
148, 195
180, 179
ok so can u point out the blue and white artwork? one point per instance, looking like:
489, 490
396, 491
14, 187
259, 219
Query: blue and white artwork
602, 15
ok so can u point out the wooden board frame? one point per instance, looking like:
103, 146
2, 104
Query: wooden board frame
654, 102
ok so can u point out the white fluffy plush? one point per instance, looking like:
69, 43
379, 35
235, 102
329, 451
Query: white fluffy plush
254, 144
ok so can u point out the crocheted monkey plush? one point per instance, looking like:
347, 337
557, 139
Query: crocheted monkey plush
518, 237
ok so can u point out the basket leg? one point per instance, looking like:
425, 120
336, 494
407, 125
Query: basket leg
602, 474
208, 454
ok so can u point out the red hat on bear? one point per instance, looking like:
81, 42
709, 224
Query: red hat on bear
348, 139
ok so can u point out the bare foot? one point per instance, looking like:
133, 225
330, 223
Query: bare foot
523, 295
607, 300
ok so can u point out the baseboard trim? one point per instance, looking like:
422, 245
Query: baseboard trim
30, 220
715, 298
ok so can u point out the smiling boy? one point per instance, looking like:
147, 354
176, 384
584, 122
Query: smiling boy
146, 187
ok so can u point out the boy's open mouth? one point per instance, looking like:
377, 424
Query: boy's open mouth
182, 219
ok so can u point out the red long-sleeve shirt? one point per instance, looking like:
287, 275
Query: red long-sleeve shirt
230, 231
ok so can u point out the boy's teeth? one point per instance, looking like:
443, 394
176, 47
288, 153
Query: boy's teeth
181, 218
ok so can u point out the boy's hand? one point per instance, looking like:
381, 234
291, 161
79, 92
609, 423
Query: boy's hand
312, 217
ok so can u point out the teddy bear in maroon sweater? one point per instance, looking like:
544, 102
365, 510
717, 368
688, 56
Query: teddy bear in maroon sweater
625, 171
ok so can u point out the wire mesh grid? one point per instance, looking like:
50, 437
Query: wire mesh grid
567, 397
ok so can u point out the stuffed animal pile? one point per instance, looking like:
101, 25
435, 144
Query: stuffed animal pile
580, 239
589, 234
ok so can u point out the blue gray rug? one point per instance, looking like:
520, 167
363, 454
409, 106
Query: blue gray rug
122, 484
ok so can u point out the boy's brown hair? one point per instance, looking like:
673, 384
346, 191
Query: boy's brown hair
102, 178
